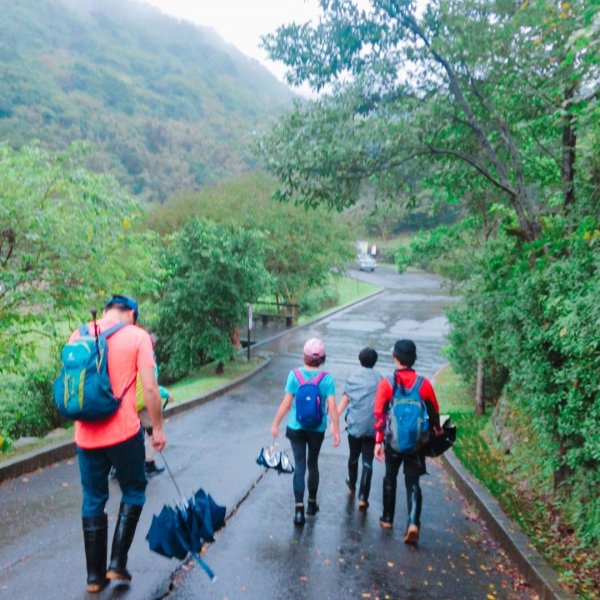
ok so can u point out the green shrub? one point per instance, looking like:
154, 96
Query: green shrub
27, 407
317, 299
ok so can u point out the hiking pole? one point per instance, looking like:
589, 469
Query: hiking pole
94, 313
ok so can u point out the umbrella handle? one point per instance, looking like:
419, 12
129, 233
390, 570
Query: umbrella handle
172, 478
205, 567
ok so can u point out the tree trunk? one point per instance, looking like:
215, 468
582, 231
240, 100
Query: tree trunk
569, 142
479, 399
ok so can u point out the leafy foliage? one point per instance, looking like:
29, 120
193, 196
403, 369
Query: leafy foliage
27, 407
301, 246
473, 106
67, 237
167, 105
212, 272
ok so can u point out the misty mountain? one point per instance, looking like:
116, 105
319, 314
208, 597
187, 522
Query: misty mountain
167, 105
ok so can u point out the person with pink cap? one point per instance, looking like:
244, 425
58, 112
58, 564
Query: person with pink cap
306, 441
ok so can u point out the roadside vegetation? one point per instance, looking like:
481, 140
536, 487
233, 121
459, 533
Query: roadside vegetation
517, 478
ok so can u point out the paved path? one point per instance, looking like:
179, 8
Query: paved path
340, 553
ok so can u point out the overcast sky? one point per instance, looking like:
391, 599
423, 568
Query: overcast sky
243, 22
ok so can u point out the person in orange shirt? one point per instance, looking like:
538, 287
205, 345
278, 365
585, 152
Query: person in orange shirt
117, 441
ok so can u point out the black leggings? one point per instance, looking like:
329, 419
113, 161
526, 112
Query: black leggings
301, 439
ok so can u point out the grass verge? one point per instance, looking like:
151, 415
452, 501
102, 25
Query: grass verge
348, 290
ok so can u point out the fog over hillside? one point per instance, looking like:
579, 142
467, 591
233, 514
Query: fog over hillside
167, 104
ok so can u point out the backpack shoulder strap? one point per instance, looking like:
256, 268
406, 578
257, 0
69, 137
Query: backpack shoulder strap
318, 378
419, 382
299, 376
84, 329
106, 334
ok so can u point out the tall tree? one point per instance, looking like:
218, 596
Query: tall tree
211, 273
68, 238
484, 88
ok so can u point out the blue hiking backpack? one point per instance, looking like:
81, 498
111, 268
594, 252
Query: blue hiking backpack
408, 421
309, 404
82, 391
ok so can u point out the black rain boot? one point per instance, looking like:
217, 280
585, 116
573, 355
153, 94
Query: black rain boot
312, 508
299, 519
95, 532
389, 504
365, 487
129, 515
414, 502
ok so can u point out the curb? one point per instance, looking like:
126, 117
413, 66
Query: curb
542, 578
43, 457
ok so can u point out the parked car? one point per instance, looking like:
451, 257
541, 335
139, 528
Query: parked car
366, 262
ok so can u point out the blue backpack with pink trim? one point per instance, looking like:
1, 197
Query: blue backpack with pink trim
309, 403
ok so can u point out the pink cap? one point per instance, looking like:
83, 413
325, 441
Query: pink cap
314, 347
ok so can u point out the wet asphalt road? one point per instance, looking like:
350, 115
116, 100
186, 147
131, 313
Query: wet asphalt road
259, 554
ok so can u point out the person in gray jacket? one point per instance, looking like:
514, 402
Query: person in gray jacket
359, 398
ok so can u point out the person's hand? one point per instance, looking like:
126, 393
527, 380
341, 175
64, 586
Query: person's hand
379, 452
275, 430
159, 439
336, 439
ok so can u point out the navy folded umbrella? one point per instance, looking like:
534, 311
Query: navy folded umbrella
184, 529
438, 444
162, 536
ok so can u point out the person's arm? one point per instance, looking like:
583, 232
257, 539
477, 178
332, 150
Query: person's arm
341, 407
153, 405
382, 397
335, 420
433, 409
283, 409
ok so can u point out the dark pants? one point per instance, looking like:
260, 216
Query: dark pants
364, 446
94, 467
414, 467
414, 464
303, 440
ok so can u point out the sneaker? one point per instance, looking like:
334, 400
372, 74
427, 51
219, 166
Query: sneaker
312, 508
151, 469
412, 535
299, 519
385, 522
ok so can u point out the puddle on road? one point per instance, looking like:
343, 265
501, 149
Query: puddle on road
434, 328
356, 325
